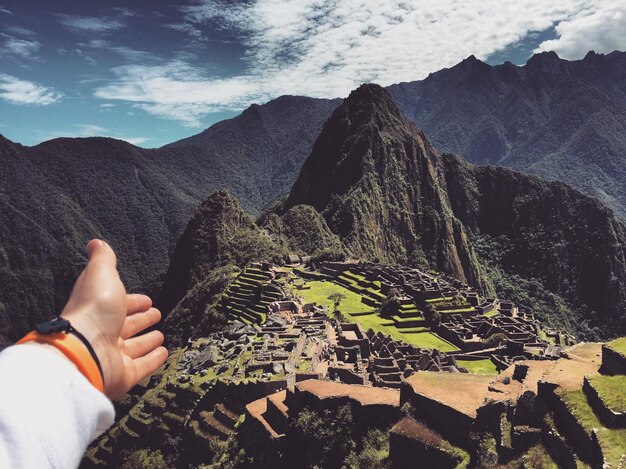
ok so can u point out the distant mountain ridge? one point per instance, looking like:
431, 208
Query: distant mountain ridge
57, 195
552, 117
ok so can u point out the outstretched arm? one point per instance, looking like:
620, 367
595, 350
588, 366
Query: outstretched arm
49, 412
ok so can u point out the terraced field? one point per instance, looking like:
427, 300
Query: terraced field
249, 295
408, 325
481, 367
611, 440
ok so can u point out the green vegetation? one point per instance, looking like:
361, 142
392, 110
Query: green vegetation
619, 345
320, 291
374, 452
612, 391
420, 337
612, 441
145, 459
323, 439
329, 438
495, 340
391, 304
481, 367
336, 298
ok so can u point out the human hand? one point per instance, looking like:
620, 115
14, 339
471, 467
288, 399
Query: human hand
109, 318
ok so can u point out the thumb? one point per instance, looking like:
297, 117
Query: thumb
101, 254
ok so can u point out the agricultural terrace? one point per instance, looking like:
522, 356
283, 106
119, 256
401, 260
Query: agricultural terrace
356, 311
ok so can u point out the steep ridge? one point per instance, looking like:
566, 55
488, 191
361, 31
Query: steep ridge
555, 118
374, 177
546, 231
388, 194
219, 237
56, 196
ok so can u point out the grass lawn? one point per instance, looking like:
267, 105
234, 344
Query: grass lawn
319, 292
612, 441
437, 300
460, 310
612, 391
491, 313
619, 345
352, 304
480, 367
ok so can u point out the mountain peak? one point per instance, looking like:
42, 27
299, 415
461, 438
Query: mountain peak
343, 150
374, 178
542, 59
371, 98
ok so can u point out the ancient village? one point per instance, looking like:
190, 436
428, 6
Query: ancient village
459, 379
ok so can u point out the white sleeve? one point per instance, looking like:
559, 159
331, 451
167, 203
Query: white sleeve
49, 412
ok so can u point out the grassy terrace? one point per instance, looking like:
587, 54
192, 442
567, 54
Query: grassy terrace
612, 391
491, 313
460, 310
418, 336
612, 441
319, 292
480, 367
440, 299
619, 345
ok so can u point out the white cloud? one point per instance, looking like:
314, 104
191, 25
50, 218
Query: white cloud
92, 130
22, 47
20, 31
602, 29
93, 24
188, 29
176, 91
128, 53
136, 140
18, 91
326, 48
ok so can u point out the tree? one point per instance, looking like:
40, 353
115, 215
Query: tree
336, 298
495, 340
390, 306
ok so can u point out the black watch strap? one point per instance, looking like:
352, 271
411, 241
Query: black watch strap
58, 325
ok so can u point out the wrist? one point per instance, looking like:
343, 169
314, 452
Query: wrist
83, 324
62, 335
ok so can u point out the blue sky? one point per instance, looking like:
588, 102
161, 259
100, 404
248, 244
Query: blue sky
152, 72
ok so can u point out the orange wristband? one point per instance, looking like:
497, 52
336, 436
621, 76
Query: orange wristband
74, 350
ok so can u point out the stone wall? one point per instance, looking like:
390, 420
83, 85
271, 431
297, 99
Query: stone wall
453, 425
585, 443
608, 417
407, 451
613, 363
